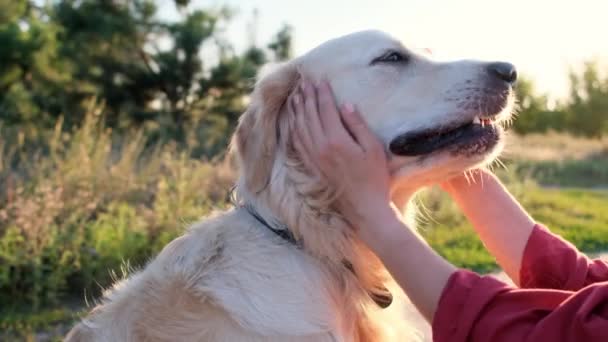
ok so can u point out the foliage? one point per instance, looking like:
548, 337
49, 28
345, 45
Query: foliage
146, 70
577, 215
89, 205
567, 173
281, 46
533, 114
43, 325
100, 203
588, 105
559, 159
584, 112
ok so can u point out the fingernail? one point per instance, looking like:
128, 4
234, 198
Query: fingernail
348, 107
296, 99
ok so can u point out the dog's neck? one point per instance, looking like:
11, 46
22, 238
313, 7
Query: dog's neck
294, 200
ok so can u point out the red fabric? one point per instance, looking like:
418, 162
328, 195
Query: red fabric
564, 298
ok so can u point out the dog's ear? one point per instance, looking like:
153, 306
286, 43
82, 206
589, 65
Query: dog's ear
257, 133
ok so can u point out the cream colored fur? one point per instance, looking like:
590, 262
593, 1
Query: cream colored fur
231, 279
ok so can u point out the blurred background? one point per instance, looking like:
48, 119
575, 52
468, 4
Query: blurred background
115, 116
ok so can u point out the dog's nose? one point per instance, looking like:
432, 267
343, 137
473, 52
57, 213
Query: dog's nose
503, 71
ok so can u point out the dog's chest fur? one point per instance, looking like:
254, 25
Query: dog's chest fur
264, 284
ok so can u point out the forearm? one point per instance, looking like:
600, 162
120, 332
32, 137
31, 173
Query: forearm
414, 265
501, 223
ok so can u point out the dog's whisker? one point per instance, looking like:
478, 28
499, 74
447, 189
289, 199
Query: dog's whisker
424, 216
500, 162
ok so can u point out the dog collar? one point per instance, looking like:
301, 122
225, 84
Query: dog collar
381, 296
284, 233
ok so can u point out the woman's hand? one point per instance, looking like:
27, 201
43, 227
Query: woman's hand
339, 145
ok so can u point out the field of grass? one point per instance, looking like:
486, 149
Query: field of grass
579, 215
561, 180
73, 214
559, 160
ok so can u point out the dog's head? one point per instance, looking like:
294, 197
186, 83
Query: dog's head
435, 119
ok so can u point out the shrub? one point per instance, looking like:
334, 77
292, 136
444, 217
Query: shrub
75, 210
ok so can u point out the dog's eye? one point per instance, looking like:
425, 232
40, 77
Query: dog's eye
391, 57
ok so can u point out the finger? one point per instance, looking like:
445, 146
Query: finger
311, 113
330, 117
302, 152
359, 129
305, 156
304, 145
292, 120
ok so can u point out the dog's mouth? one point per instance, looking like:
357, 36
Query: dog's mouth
474, 137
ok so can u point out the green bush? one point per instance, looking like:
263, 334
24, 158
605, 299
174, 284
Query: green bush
88, 203
570, 173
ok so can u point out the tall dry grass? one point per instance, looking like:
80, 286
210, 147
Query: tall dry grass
80, 205
559, 160
553, 146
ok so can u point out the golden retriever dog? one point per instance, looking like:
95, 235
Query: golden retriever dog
283, 265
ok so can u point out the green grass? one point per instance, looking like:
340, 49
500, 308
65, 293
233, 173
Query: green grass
579, 215
592, 172
559, 160
49, 324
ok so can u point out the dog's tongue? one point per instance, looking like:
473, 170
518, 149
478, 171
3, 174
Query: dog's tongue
420, 143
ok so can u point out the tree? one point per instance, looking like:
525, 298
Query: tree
57, 58
533, 111
282, 43
587, 108
32, 72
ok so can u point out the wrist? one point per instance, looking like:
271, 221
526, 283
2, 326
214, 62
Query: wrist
382, 228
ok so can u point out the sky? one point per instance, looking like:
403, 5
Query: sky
543, 38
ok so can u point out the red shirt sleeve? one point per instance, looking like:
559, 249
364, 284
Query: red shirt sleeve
475, 308
554, 263
483, 309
